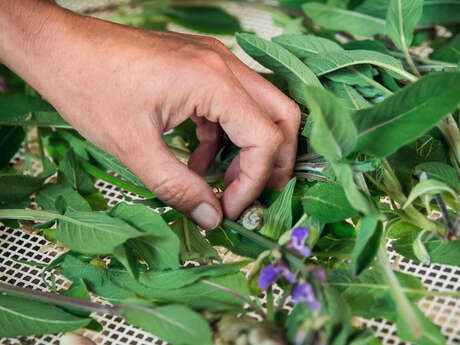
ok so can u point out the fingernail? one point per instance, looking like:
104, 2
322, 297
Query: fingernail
206, 216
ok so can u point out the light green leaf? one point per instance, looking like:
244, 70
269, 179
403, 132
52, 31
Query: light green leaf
173, 323
332, 18
429, 186
408, 114
333, 133
366, 246
328, 62
402, 18
419, 249
47, 197
351, 98
24, 317
327, 202
278, 217
304, 46
93, 232
439, 171
440, 252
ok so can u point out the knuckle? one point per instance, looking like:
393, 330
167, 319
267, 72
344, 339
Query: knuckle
293, 111
171, 190
212, 60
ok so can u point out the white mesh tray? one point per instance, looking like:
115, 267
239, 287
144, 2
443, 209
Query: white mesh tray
23, 245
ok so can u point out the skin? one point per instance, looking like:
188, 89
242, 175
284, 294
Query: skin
122, 87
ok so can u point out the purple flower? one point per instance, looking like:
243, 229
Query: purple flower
268, 276
297, 241
304, 293
272, 273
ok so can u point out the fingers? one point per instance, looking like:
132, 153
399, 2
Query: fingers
281, 109
210, 136
172, 181
259, 138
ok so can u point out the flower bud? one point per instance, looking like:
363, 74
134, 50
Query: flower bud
253, 217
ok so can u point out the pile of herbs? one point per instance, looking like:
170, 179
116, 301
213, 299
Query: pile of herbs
378, 162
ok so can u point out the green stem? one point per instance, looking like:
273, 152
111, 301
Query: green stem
404, 307
410, 62
270, 305
269, 244
26, 214
425, 60
286, 293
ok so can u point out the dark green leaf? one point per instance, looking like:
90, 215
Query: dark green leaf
407, 114
367, 244
449, 52
10, 140
72, 174
15, 187
206, 19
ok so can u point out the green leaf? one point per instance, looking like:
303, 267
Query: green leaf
332, 18
327, 202
304, 46
429, 187
440, 12
333, 133
175, 324
47, 197
278, 217
72, 174
15, 187
161, 249
328, 62
10, 140
419, 249
408, 114
402, 18
207, 19
193, 245
431, 334
282, 62
367, 245
449, 52
93, 232
109, 162
439, 171
350, 98
24, 317
440, 252
369, 295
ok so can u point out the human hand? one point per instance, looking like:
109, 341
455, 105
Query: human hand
122, 88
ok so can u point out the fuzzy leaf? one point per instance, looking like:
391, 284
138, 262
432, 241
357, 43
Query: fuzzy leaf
439, 171
327, 202
304, 46
408, 114
333, 133
332, 18
429, 187
402, 18
24, 317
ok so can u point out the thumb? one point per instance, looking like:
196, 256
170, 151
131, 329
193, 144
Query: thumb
178, 186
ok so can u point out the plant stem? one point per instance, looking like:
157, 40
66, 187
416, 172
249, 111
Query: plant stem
410, 62
425, 60
26, 214
286, 293
270, 305
98, 173
255, 307
403, 305
394, 190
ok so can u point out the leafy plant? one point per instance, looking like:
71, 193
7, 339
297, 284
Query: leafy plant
378, 159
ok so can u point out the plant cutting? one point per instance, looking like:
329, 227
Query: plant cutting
378, 166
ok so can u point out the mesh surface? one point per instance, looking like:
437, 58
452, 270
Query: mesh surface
24, 244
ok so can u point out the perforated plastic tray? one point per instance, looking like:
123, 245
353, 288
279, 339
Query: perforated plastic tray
24, 244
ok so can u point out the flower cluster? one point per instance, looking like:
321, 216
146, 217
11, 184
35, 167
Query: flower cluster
303, 292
